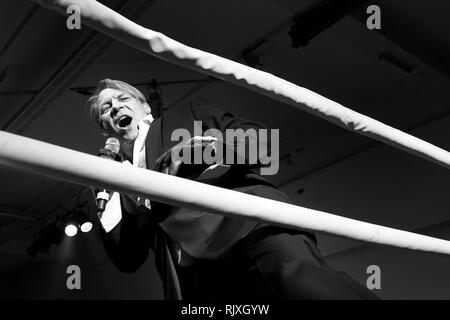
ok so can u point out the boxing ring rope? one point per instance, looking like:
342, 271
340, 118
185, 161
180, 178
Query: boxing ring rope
76, 167
80, 168
107, 21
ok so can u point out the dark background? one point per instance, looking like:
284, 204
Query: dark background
398, 75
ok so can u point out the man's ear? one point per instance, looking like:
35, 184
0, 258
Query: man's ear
105, 133
147, 108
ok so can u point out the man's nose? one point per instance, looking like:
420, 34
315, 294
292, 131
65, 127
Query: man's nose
115, 107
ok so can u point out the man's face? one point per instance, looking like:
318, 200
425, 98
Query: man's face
120, 114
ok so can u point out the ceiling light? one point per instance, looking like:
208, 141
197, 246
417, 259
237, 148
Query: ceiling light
71, 230
86, 226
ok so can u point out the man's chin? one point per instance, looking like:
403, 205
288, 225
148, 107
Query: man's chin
128, 138
126, 135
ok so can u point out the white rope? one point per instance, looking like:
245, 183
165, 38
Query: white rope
118, 27
80, 168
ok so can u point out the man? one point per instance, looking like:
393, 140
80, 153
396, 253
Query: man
201, 255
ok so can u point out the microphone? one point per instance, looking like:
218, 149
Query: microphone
110, 151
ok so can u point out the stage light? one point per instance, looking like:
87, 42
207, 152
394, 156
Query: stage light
86, 226
83, 221
71, 221
77, 219
70, 230
54, 232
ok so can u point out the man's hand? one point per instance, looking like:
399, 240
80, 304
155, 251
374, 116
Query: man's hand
170, 161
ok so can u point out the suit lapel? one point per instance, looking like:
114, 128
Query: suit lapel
177, 118
153, 144
159, 136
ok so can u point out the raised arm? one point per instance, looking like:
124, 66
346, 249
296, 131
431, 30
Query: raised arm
245, 141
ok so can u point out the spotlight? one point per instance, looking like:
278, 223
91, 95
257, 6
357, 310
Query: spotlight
77, 220
86, 227
54, 232
84, 223
71, 222
70, 230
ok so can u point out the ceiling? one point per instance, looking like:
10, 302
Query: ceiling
398, 75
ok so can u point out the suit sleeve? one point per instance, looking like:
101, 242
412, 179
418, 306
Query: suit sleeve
128, 242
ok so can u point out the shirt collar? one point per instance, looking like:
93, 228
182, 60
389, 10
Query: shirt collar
148, 119
139, 143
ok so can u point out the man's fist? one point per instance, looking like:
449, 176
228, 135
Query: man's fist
171, 160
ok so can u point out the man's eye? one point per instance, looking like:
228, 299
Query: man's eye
124, 98
105, 109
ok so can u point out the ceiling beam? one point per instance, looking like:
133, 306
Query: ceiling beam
321, 15
305, 25
17, 216
409, 45
361, 148
81, 58
18, 30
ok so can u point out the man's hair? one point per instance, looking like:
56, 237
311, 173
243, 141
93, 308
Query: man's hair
92, 102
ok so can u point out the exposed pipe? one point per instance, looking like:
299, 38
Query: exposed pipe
19, 29
17, 216
84, 55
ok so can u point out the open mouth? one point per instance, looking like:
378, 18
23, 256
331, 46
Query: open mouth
124, 121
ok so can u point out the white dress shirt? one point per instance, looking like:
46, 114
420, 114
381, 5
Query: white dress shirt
113, 212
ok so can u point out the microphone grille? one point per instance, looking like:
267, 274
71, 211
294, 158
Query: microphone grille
113, 145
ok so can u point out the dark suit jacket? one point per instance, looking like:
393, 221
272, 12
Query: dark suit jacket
128, 243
